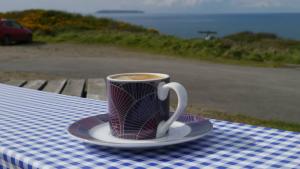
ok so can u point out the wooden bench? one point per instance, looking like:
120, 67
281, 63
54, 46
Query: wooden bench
90, 88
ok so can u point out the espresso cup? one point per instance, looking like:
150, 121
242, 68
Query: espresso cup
138, 105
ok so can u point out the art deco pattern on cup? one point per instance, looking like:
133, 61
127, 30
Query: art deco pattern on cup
135, 110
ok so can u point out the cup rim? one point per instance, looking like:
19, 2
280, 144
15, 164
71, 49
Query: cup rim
163, 76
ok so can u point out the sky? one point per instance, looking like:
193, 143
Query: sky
158, 6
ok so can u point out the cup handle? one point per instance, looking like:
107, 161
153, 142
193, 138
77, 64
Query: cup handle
163, 93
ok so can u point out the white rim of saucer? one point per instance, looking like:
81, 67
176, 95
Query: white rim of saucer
163, 76
138, 145
141, 145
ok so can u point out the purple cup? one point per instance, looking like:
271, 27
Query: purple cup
139, 109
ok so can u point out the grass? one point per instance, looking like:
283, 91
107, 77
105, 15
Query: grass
245, 48
198, 49
247, 120
261, 52
239, 118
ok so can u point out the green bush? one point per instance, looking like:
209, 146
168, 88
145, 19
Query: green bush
54, 22
251, 37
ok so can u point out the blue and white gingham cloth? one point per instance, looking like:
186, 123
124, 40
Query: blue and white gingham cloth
33, 135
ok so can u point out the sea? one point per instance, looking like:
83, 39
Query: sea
285, 25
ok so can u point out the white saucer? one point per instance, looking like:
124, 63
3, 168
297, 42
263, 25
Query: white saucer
96, 130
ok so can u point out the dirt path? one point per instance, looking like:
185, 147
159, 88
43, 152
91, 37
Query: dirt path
261, 92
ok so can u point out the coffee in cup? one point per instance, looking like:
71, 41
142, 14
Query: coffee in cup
137, 77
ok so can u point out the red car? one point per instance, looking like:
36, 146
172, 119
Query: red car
11, 31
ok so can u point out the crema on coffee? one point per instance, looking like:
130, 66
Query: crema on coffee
137, 77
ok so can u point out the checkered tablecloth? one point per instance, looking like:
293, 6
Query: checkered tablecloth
33, 135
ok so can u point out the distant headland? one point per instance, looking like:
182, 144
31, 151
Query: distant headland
121, 11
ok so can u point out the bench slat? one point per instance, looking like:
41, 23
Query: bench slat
17, 83
35, 84
96, 89
55, 86
74, 87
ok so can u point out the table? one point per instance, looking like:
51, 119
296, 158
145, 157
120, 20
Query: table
33, 135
